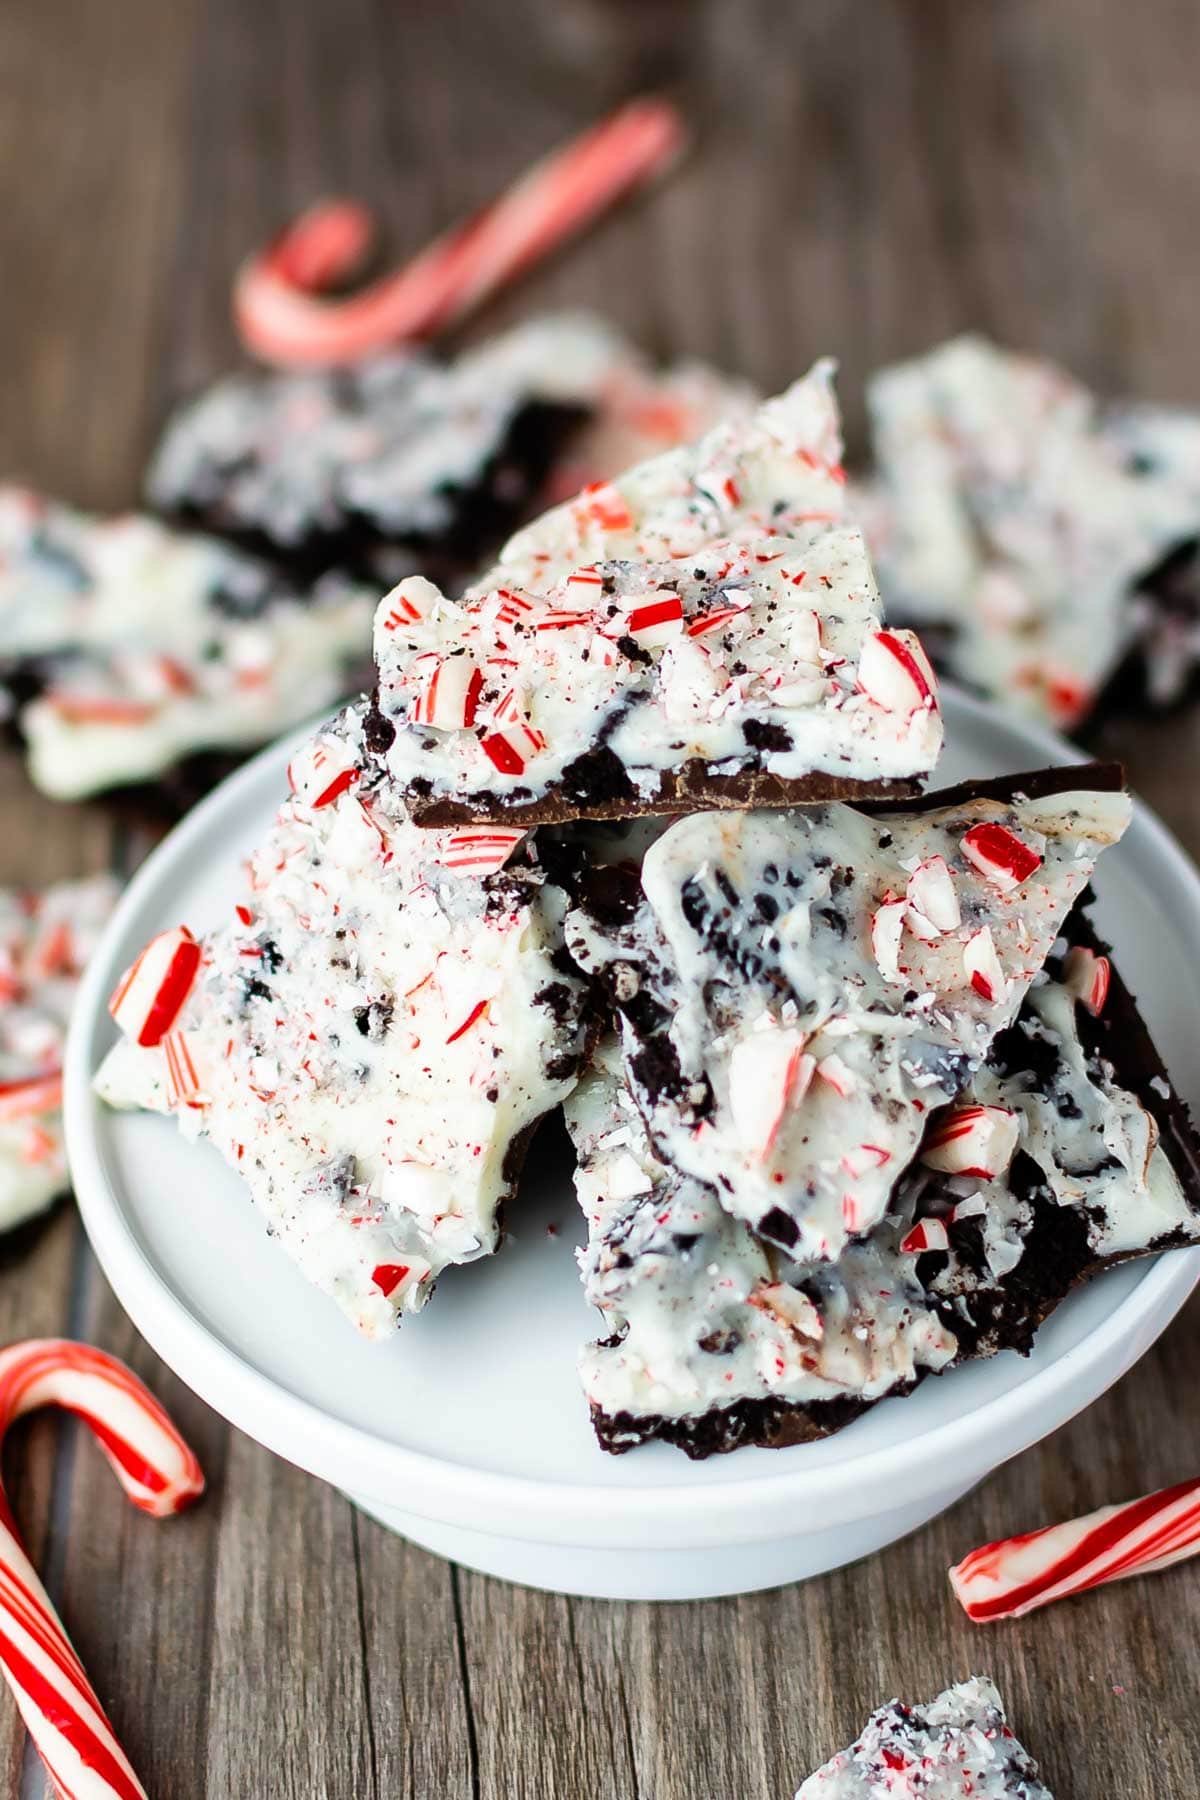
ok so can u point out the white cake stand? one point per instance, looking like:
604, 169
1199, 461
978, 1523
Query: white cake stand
468, 1432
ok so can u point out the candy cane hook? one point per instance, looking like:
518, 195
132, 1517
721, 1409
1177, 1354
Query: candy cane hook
161, 1476
278, 303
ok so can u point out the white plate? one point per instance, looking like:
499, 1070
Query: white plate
468, 1432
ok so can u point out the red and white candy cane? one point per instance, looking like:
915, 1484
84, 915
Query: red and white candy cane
284, 317
1015, 1576
161, 1476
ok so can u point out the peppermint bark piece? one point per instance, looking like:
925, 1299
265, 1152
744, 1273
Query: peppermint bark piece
129, 648
46, 939
1067, 1154
703, 631
713, 1338
401, 459
958, 1747
1043, 543
405, 459
798, 990
371, 1036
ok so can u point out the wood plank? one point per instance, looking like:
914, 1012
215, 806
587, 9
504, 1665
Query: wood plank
422, 1715
550, 1702
139, 1596
288, 1705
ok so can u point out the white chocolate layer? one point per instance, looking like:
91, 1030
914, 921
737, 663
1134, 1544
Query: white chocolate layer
803, 1016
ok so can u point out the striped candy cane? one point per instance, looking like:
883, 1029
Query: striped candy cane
1016, 1575
278, 305
160, 1475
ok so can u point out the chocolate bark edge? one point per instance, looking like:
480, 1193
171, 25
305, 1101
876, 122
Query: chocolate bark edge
690, 788
1120, 1034
1029, 784
765, 1424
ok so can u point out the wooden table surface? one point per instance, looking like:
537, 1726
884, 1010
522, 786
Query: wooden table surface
871, 177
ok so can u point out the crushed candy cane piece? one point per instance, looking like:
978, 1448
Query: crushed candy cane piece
926, 1234
768, 1073
152, 992
322, 773
410, 602
26, 1099
449, 694
982, 965
512, 740
790, 1307
1000, 855
480, 848
603, 504
703, 623
932, 900
183, 1083
1087, 976
1015, 1576
895, 673
653, 623
887, 928
971, 1140
832, 1069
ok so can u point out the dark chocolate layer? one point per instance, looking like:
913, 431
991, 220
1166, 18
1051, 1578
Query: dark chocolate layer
596, 787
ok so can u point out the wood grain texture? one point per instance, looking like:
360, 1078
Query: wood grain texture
870, 176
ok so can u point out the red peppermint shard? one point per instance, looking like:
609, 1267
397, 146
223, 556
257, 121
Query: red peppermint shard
703, 623
769, 1073
603, 504
895, 673
927, 1234
450, 694
657, 619
322, 773
982, 966
1000, 855
971, 1140
26, 1099
512, 740
1087, 976
152, 993
389, 1276
480, 850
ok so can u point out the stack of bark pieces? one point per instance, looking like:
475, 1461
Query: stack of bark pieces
636, 826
